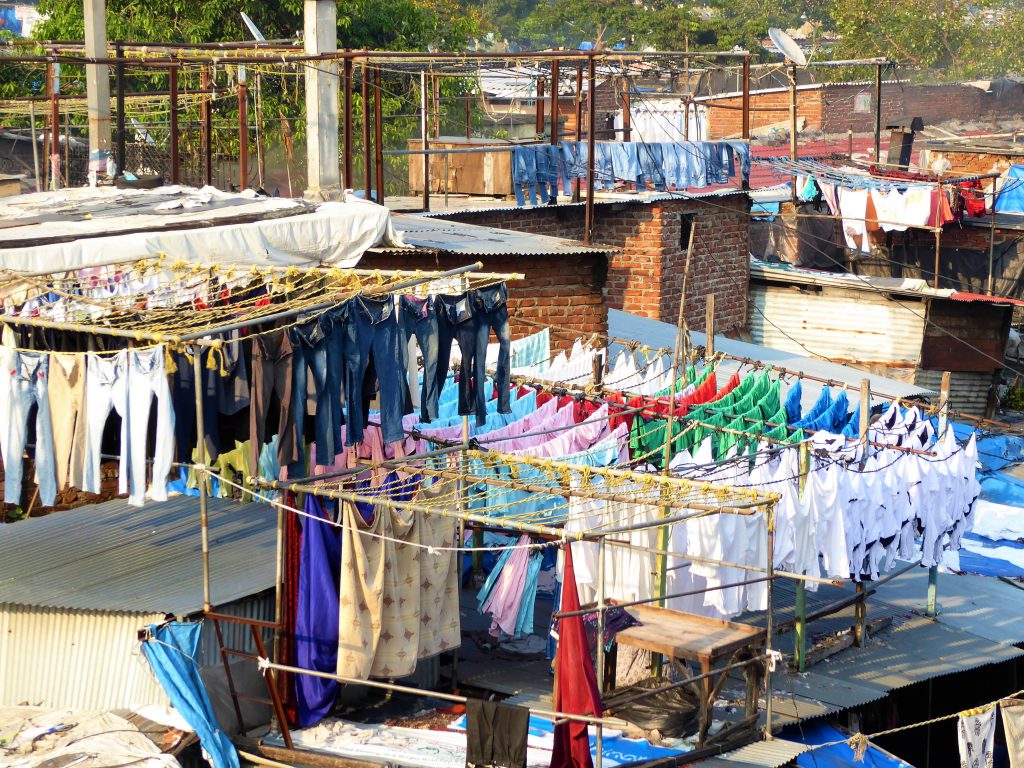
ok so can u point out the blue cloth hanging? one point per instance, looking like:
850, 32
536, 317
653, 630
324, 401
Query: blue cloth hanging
793, 408
171, 651
316, 618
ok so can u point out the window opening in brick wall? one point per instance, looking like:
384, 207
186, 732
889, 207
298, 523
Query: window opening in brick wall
685, 225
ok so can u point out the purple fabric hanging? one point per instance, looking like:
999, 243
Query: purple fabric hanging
316, 621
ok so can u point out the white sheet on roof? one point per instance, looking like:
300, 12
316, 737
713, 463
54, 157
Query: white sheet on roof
337, 234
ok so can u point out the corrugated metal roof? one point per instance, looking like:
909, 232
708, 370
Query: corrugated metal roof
473, 240
463, 205
862, 328
115, 557
655, 333
762, 754
889, 285
962, 296
982, 605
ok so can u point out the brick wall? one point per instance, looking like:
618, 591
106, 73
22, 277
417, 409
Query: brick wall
977, 162
557, 290
645, 276
830, 109
725, 116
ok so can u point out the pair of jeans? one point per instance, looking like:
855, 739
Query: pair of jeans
147, 380
652, 166
548, 157
29, 382
272, 375
524, 173
183, 392
372, 329
491, 310
457, 321
625, 161
67, 397
418, 317
572, 168
106, 390
742, 150
312, 342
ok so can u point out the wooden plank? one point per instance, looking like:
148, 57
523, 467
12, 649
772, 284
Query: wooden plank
687, 636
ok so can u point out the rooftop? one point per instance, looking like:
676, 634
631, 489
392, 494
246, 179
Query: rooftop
116, 557
471, 240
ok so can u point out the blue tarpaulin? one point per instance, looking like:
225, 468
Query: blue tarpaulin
171, 651
1011, 198
838, 755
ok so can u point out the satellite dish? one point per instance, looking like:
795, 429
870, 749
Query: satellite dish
254, 30
787, 46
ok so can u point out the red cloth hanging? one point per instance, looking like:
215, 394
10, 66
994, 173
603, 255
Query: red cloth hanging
575, 682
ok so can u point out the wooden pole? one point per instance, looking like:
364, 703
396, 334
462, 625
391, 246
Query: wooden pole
600, 644
347, 121
932, 608
860, 607
800, 618
709, 326
204, 478
378, 133
424, 141
792, 122
588, 228
172, 77
878, 113
435, 89
666, 456
367, 148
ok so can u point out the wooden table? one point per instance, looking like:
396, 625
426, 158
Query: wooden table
688, 637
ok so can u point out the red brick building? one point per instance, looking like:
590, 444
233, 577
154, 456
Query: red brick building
649, 237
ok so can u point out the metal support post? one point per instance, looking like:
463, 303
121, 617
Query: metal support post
346, 116
588, 228
243, 130
35, 146
540, 106
378, 134
172, 78
626, 117
770, 620
554, 101
579, 125
746, 97
206, 123
121, 137
367, 164
52, 78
